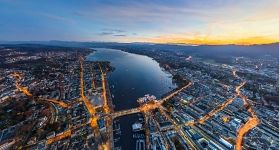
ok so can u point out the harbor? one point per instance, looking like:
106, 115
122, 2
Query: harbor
127, 133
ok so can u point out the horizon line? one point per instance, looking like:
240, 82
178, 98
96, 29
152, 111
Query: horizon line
13, 42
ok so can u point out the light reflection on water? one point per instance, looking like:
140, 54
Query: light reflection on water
133, 77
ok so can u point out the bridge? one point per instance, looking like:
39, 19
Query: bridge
125, 112
59, 103
175, 93
150, 105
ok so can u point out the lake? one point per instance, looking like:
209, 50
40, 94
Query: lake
134, 76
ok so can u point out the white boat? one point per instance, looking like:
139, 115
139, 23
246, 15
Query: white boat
137, 127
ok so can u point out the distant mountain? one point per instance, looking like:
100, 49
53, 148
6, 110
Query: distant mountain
202, 50
77, 43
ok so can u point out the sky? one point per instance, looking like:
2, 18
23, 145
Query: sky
157, 21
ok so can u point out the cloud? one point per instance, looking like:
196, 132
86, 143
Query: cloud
141, 12
146, 20
79, 14
58, 18
106, 33
122, 35
112, 32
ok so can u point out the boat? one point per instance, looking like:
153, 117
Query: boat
137, 127
146, 98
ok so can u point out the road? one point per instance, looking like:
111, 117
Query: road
105, 105
252, 122
178, 129
87, 103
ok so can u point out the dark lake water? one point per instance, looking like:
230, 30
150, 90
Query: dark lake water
133, 77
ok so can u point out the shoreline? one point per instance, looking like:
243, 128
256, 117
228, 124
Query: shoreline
168, 73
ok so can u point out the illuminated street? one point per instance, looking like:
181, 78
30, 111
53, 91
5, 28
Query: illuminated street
139, 75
